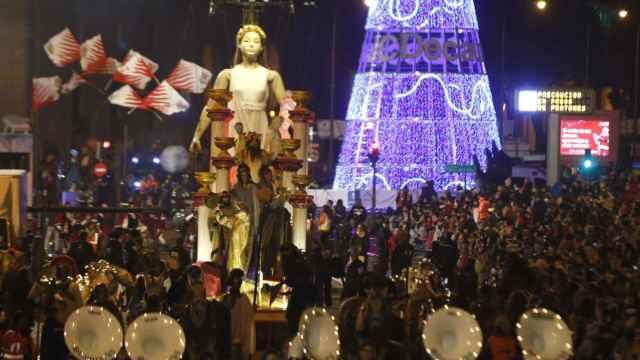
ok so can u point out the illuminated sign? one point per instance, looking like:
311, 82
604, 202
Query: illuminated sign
437, 51
563, 101
578, 135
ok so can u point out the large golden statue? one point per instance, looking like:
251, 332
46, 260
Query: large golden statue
251, 85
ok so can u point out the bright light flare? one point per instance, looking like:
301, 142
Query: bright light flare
623, 13
541, 5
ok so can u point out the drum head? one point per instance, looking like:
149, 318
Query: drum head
155, 336
92, 332
452, 333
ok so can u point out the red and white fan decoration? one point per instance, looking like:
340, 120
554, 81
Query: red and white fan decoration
189, 77
94, 59
166, 99
126, 97
63, 48
136, 70
163, 98
45, 91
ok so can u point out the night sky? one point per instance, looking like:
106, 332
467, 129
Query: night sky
541, 49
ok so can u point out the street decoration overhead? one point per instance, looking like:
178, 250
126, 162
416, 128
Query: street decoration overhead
135, 71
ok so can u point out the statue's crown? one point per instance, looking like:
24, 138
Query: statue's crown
250, 28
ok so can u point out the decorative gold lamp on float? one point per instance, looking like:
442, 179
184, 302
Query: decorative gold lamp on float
204, 179
223, 162
224, 144
287, 162
218, 112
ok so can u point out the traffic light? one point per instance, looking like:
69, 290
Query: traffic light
588, 165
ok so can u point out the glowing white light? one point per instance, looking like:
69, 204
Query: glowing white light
623, 13
541, 5
371, 3
481, 85
395, 14
365, 178
527, 100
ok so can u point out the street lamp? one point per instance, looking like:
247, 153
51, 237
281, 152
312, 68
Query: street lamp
374, 156
541, 5
623, 13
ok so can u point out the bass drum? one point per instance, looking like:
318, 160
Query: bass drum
155, 336
92, 332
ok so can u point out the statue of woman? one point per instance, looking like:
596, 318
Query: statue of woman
251, 85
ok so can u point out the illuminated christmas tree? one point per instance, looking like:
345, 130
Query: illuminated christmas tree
421, 92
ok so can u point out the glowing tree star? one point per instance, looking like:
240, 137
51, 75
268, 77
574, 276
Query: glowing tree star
421, 93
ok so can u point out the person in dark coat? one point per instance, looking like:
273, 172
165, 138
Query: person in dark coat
115, 250
402, 255
300, 279
82, 252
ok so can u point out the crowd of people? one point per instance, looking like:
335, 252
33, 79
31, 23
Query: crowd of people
496, 252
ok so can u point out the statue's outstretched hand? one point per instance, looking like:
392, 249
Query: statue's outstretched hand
195, 146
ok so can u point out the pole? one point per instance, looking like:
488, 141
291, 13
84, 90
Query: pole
516, 135
503, 56
636, 82
332, 89
373, 196
125, 155
35, 118
258, 272
587, 55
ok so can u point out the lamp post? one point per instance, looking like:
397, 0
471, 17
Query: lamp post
374, 156
623, 14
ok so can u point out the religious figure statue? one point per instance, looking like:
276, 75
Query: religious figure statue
245, 192
232, 232
251, 85
275, 228
248, 152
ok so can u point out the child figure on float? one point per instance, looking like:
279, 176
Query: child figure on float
251, 85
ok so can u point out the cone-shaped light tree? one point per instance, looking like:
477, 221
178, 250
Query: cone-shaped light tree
421, 95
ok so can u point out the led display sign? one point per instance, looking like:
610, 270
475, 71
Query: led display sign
563, 101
